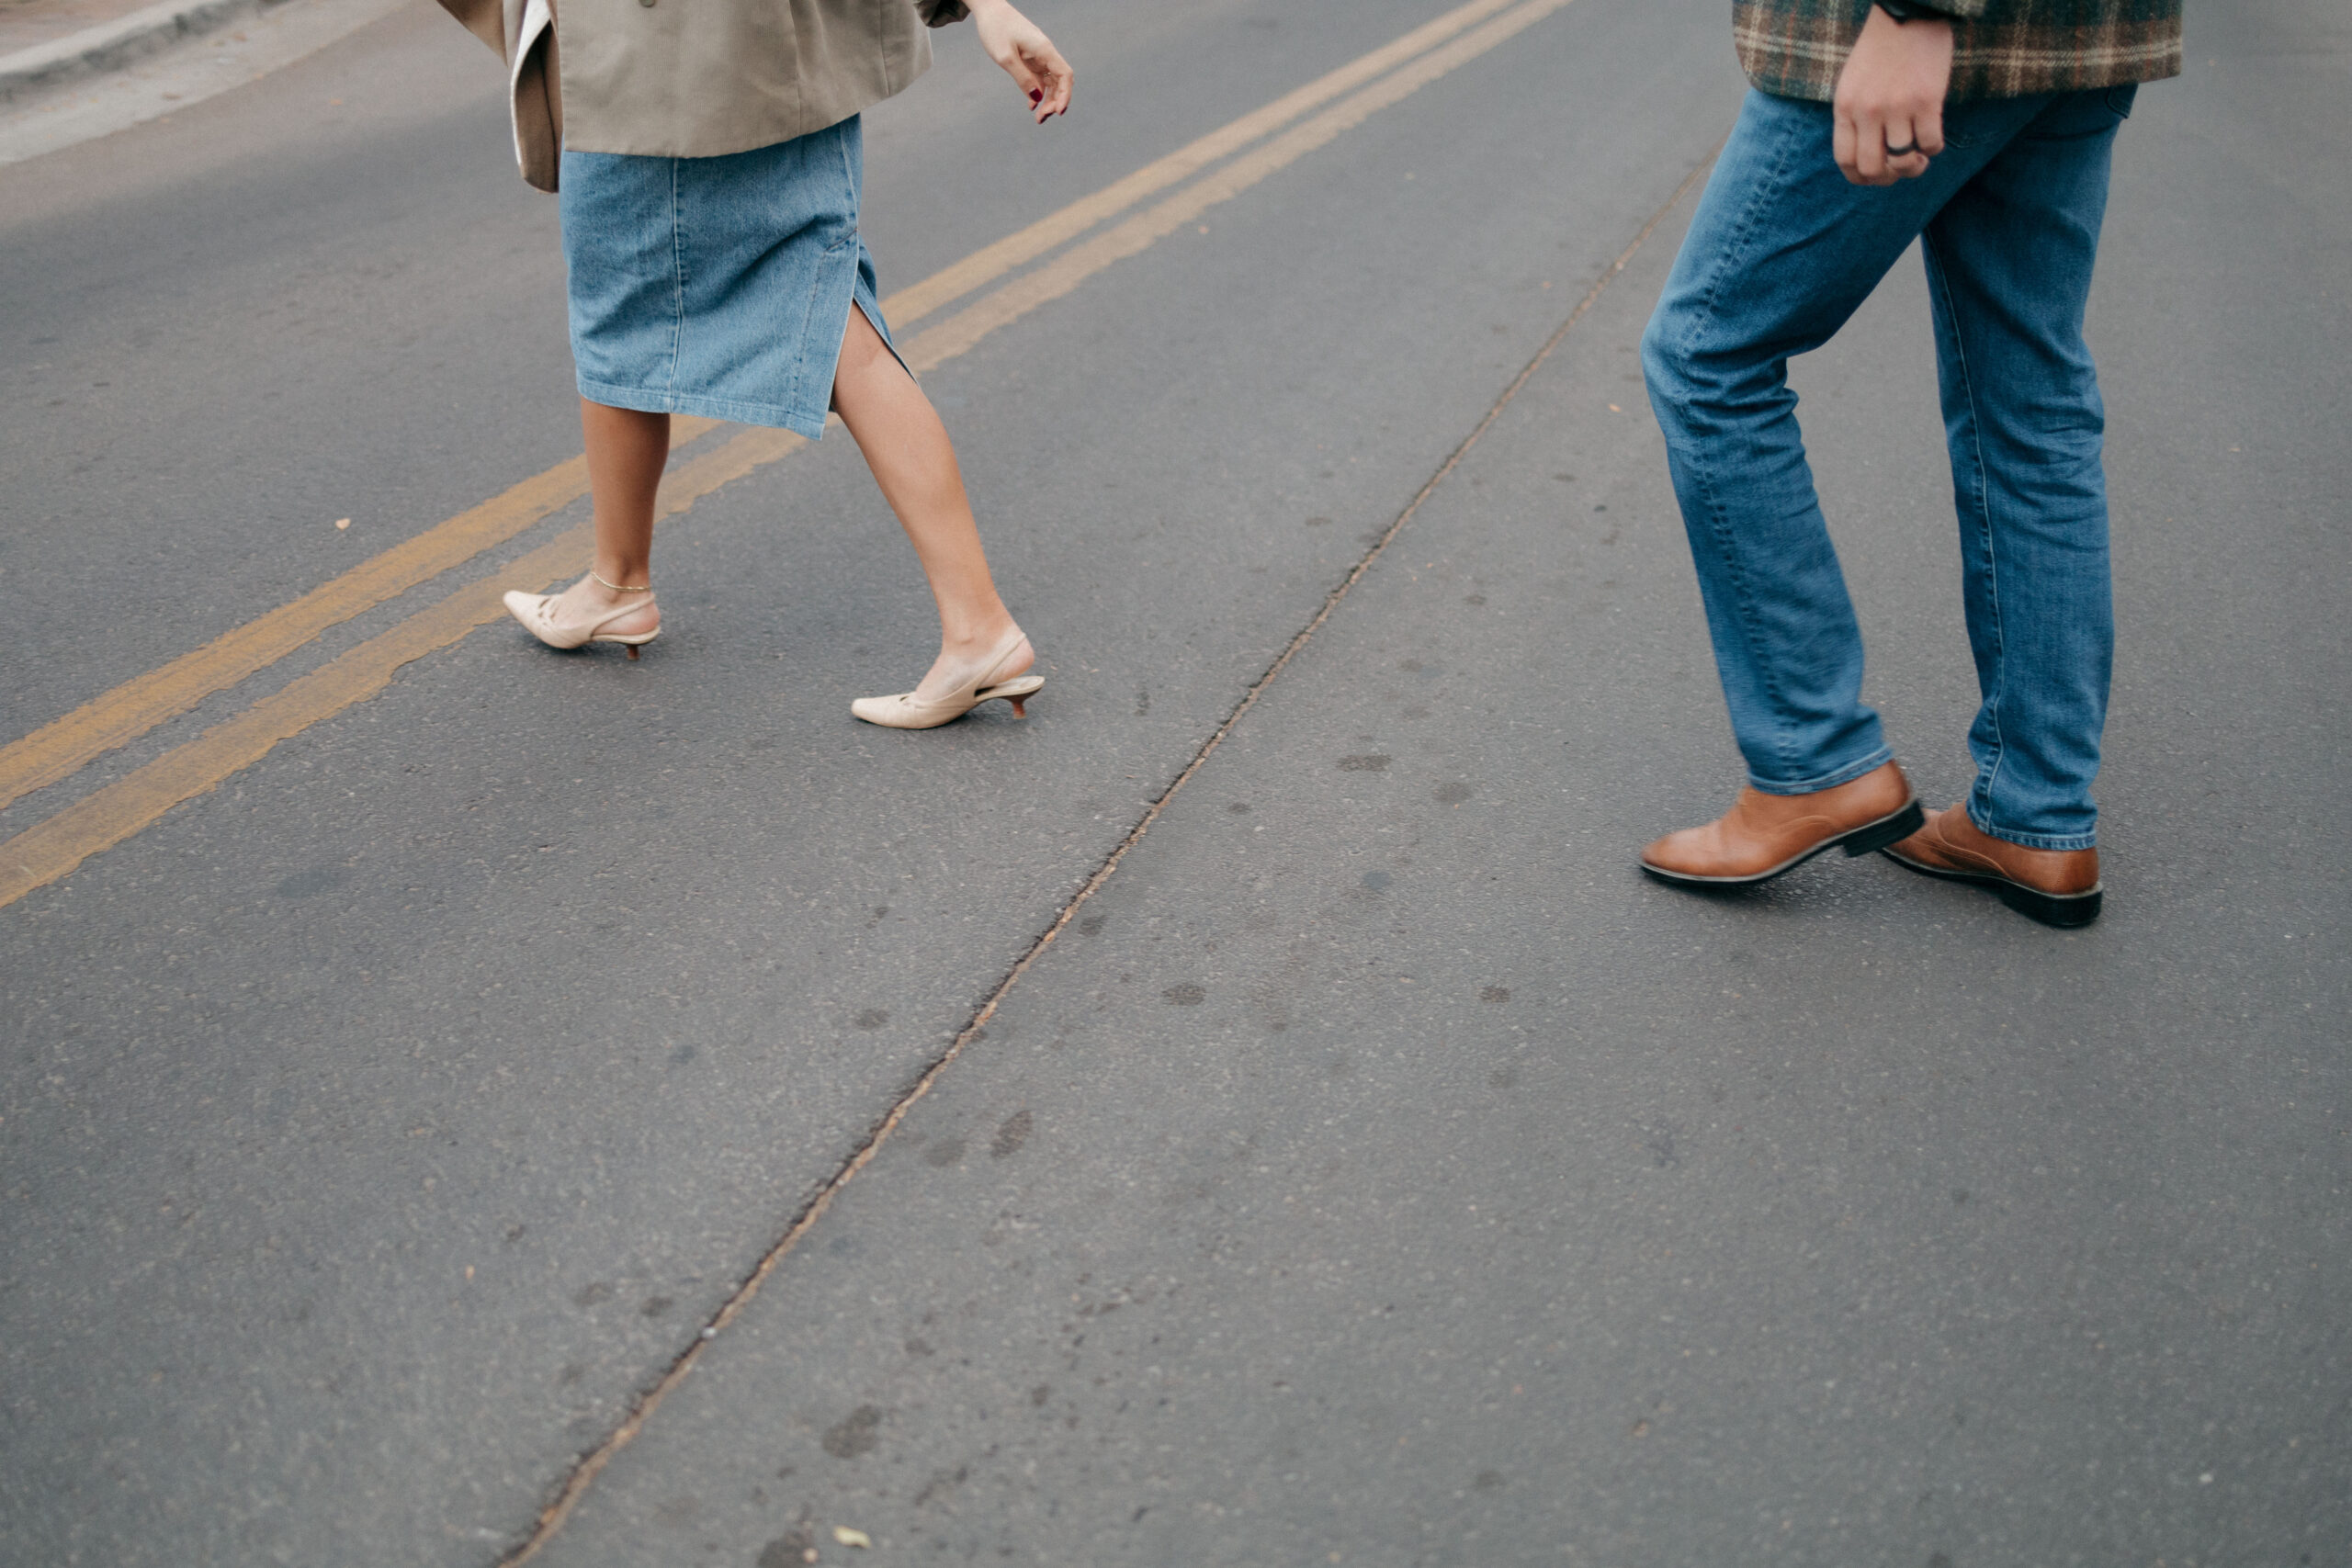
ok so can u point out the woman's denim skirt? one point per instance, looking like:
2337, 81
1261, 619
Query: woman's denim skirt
717, 286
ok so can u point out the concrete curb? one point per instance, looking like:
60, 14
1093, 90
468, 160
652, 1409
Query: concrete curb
112, 45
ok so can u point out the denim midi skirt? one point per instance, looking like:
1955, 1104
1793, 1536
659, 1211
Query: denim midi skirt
717, 286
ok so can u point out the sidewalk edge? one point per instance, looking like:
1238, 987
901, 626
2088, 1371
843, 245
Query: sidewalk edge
109, 45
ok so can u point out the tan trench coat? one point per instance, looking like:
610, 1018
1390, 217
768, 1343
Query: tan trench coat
694, 78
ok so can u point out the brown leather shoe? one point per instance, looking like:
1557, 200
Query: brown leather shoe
2058, 888
1764, 834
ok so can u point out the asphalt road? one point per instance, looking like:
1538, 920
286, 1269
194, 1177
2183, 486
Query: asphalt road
1374, 1170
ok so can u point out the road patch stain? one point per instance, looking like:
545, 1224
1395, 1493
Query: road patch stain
859, 1432
1011, 1136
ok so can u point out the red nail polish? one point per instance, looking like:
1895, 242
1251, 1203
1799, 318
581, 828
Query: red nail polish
1036, 97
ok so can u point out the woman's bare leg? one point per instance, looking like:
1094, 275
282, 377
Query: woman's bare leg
914, 463
627, 452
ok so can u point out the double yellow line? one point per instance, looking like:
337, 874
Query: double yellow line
1249, 148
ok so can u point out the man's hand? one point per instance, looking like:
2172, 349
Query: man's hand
1892, 94
1028, 56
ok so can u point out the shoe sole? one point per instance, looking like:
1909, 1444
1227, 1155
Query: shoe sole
2062, 911
1855, 842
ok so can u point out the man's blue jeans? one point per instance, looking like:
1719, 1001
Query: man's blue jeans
1782, 251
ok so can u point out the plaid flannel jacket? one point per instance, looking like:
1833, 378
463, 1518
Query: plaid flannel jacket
2001, 48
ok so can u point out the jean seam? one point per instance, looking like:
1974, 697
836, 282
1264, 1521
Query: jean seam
1984, 519
816, 292
1718, 515
678, 275
874, 317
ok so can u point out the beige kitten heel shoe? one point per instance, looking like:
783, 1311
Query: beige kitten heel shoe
542, 616
908, 711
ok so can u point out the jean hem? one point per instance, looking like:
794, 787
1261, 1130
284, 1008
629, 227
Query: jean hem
645, 399
2060, 841
1831, 780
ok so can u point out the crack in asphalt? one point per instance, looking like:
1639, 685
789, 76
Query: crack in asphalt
583, 1473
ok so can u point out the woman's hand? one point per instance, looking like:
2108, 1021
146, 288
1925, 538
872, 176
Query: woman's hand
1027, 55
1890, 96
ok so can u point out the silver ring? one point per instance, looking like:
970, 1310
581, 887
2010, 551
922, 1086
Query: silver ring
1903, 152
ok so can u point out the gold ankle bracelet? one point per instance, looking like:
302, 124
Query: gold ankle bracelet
641, 587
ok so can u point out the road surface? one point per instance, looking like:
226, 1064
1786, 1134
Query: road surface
458, 1100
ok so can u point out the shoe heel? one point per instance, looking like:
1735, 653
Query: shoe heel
633, 653
1017, 690
1893, 830
2063, 913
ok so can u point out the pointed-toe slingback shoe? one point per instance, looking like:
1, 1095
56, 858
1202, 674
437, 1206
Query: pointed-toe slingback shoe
981, 684
542, 616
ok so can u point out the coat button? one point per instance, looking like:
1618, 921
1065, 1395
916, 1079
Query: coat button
647, 4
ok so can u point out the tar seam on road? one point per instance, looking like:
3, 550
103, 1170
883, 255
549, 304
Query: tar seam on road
67, 744
590, 1464
54, 848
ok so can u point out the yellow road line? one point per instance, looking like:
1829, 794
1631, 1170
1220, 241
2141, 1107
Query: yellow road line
52, 848
106, 817
63, 746
1074, 266
986, 265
